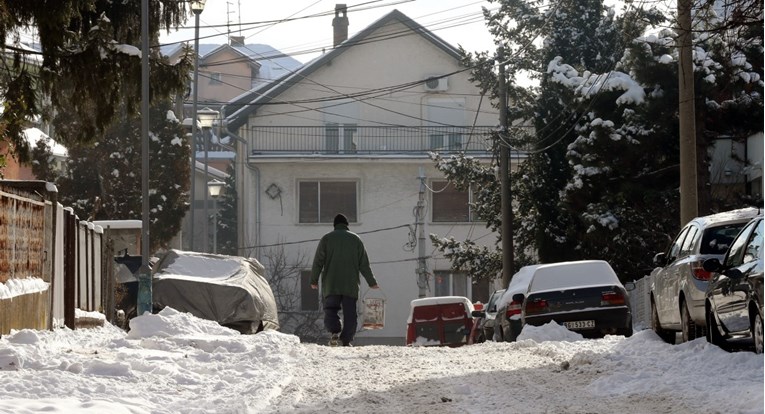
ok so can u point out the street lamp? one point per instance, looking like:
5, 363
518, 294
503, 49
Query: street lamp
196, 6
215, 187
206, 118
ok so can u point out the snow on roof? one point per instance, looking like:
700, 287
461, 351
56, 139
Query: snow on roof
556, 276
519, 283
728, 216
33, 135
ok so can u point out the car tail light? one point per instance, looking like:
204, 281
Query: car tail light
514, 308
698, 272
536, 306
611, 298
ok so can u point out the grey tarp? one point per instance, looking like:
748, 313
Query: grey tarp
230, 290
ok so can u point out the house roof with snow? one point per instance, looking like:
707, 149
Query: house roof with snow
239, 109
272, 63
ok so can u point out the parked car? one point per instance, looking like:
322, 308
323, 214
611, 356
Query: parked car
230, 290
679, 283
585, 296
507, 324
734, 296
483, 323
439, 321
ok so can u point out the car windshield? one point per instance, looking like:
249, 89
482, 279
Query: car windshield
717, 239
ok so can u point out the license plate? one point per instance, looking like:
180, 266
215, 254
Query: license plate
579, 324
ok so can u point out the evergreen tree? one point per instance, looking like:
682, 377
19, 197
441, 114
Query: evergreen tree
581, 31
90, 68
227, 223
103, 180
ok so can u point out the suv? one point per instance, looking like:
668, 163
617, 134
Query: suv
679, 283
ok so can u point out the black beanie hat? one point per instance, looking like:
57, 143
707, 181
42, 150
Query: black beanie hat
340, 219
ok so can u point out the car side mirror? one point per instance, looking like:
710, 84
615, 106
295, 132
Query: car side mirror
630, 286
478, 314
712, 265
518, 297
659, 259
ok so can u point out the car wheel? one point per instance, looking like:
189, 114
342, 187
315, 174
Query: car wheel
690, 330
666, 336
713, 332
757, 334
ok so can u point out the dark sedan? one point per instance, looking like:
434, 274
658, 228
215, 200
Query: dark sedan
584, 296
734, 296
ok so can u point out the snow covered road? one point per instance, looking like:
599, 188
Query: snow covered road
175, 363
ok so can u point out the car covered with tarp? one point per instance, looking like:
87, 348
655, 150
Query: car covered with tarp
230, 290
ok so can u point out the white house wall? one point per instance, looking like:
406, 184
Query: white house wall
388, 186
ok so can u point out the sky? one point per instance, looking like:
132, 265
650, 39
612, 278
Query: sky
172, 362
459, 22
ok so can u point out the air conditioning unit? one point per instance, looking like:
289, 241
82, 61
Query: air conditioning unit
436, 84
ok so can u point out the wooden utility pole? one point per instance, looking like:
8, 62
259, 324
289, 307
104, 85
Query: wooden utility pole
687, 113
504, 171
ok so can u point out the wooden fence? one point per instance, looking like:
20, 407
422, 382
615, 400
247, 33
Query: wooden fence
51, 262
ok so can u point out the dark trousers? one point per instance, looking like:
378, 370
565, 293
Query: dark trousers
332, 305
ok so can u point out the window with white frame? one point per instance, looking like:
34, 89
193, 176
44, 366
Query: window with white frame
320, 201
340, 138
450, 205
216, 78
309, 298
450, 283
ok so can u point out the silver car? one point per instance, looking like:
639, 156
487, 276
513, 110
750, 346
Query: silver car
679, 283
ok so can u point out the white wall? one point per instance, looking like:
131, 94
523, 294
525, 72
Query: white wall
388, 187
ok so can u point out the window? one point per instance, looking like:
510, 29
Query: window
448, 283
309, 298
320, 201
741, 252
446, 142
674, 250
215, 78
690, 241
334, 132
450, 204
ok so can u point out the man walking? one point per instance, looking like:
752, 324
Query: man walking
339, 259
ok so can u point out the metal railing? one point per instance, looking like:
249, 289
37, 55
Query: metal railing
365, 140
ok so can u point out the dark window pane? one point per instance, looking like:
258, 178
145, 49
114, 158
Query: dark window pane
717, 240
309, 298
450, 205
442, 281
436, 141
338, 197
309, 202
333, 137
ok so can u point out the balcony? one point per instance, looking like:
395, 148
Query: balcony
359, 141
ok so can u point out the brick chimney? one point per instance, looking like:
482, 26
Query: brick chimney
340, 24
236, 40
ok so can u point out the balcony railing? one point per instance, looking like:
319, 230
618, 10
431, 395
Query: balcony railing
355, 140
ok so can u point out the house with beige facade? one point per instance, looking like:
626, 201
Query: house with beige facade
350, 132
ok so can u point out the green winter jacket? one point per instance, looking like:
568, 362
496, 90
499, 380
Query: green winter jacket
339, 259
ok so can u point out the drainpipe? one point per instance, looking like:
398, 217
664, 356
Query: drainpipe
242, 238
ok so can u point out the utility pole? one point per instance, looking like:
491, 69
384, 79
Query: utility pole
422, 268
689, 206
144, 273
504, 171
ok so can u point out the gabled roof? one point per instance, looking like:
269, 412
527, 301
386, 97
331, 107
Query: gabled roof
238, 110
237, 51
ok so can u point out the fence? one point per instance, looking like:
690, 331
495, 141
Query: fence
640, 301
51, 262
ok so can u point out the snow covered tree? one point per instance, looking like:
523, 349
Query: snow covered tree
227, 223
103, 180
90, 68
584, 32
625, 157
